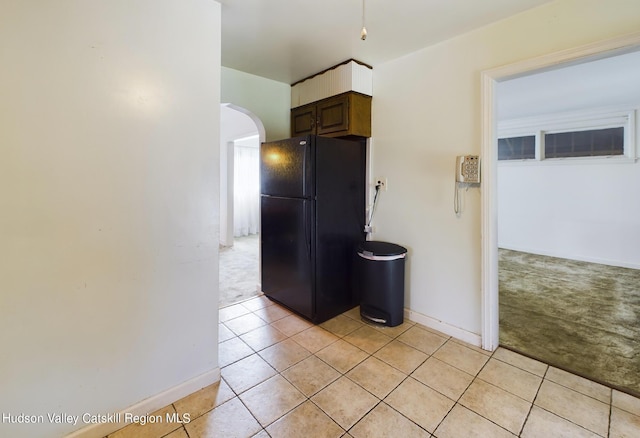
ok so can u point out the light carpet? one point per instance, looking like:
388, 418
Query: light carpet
239, 270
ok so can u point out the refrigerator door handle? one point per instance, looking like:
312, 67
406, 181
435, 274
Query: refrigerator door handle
306, 174
307, 228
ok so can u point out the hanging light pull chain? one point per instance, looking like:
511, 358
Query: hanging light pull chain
363, 32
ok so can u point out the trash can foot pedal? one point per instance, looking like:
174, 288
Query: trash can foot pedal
373, 319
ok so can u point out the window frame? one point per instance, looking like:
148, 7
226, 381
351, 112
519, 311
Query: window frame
571, 122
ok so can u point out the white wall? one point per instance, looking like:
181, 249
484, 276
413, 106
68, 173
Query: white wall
426, 110
269, 100
109, 189
586, 212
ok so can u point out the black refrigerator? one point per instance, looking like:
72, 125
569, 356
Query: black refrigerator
312, 219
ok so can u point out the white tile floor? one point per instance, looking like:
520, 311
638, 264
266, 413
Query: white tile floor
284, 377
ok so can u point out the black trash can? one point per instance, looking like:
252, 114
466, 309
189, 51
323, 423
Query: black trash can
381, 282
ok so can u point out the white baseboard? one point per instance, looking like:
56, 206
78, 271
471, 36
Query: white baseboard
150, 405
617, 263
443, 327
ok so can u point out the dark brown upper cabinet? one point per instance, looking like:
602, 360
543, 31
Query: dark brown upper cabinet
345, 115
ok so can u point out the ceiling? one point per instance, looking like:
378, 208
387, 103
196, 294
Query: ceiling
606, 82
289, 40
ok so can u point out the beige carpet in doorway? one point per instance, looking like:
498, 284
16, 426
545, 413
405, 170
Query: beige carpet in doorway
239, 270
582, 317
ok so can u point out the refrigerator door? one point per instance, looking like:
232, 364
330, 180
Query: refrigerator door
286, 168
339, 220
287, 268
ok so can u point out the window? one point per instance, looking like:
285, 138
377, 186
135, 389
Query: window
517, 148
592, 143
585, 134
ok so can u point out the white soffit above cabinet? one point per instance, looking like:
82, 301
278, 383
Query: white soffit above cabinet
350, 76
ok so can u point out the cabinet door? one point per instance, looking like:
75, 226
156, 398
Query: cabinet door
303, 120
347, 114
333, 115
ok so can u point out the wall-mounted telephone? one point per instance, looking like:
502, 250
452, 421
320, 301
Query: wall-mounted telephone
468, 169
467, 173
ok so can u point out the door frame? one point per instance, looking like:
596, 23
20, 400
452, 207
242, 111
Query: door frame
489, 211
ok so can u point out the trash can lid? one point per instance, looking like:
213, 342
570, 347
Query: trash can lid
377, 248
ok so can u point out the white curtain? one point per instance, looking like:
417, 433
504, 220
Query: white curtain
246, 189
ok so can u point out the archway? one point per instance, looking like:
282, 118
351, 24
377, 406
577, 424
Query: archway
240, 136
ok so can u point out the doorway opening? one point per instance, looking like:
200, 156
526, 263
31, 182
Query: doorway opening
240, 136
565, 243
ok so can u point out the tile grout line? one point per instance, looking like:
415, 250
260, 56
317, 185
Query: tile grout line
456, 401
475, 377
555, 413
533, 401
236, 395
307, 398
